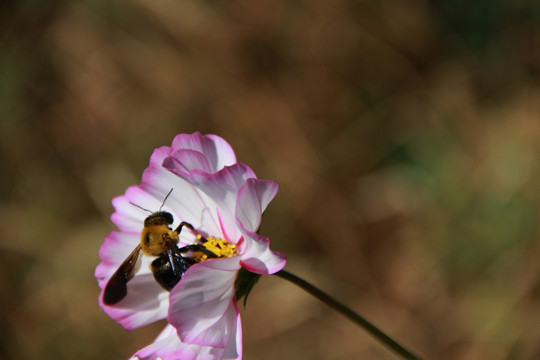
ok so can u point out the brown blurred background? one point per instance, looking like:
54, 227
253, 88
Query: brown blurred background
405, 135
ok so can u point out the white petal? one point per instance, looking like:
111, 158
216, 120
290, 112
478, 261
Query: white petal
253, 198
202, 304
168, 346
257, 256
128, 217
189, 160
145, 301
185, 203
218, 152
222, 190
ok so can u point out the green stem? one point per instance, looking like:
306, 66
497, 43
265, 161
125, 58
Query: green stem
346, 311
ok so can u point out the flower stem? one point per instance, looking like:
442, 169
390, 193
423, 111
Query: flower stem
346, 311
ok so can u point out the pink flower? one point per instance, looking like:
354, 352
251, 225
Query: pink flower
222, 199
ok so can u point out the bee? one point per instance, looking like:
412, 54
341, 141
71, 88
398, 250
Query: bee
157, 239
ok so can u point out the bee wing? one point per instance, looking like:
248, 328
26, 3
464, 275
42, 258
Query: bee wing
116, 288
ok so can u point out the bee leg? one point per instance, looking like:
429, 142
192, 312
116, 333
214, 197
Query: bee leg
171, 259
200, 248
195, 247
201, 238
182, 224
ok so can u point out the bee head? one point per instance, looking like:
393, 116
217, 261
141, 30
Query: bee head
159, 218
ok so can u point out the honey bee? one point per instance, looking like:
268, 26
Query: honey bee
157, 239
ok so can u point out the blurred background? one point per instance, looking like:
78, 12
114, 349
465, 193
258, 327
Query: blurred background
405, 135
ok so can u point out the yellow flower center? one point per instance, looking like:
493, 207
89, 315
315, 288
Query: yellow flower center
218, 246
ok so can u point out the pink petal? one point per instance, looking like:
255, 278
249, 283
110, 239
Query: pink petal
234, 345
145, 301
188, 160
221, 188
257, 256
156, 159
213, 153
165, 346
215, 149
202, 304
253, 198
168, 346
114, 250
195, 207
127, 216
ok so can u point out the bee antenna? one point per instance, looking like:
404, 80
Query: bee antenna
140, 207
163, 203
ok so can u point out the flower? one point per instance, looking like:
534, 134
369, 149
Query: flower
223, 200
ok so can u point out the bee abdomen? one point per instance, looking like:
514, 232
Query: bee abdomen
165, 275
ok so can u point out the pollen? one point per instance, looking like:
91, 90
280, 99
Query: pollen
218, 246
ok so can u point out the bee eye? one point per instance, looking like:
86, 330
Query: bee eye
147, 238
